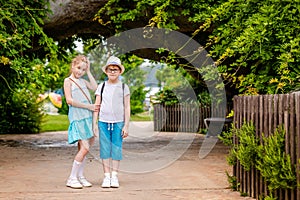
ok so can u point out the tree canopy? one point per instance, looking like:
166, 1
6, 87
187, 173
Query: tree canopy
255, 44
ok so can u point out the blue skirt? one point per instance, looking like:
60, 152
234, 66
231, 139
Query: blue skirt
80, 130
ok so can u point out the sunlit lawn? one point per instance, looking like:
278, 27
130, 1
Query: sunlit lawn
55, 123
61, 122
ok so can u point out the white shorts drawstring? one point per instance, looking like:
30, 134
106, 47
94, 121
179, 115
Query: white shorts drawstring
110, 126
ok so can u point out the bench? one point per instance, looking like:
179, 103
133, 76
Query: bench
216, 121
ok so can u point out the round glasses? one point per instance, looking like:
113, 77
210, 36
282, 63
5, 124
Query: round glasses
109, 70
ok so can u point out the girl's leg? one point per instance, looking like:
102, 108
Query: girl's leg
81, 168
78, 160
83, 151
75, 168
73, 181
81, 155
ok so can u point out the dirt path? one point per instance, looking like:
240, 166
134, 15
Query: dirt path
155, 166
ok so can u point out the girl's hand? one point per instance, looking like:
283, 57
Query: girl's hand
97, 107
93, 107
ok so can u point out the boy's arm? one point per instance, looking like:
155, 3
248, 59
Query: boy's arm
96, 114
126, 115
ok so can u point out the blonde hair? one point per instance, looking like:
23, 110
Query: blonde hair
79, 59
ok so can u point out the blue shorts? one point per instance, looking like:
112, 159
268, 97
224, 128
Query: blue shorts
110, 140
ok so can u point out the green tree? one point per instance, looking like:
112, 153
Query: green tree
255, 43
23, 74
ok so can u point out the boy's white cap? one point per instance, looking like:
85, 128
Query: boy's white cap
113, 60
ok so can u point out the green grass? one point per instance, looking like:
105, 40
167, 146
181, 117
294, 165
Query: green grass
61, 122
55, 123
141, 117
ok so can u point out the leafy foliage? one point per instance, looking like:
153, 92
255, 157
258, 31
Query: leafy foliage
268, 156
23, 74
246, 149
274, 164
20, 113
255, 43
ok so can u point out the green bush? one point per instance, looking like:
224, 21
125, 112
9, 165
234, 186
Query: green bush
268, 157
64, 110
166, 97
246, 150
20, 113
274, 164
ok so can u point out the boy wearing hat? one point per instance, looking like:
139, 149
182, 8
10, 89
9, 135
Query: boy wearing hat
112, 122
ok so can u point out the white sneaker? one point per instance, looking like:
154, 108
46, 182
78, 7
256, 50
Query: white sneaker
106, 182
74, 183
84, 182
114, 182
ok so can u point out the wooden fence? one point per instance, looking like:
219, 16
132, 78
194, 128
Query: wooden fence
183, 117
267, 112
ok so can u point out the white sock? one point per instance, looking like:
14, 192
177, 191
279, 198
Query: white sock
81, 168
75, 169
114, 174
107, 175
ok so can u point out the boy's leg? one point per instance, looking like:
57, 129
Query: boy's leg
115, 165
105, 151
105, 142
117, 141
106, 165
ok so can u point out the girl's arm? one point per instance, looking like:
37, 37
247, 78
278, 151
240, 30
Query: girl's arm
126, 115
73, 102
91, 84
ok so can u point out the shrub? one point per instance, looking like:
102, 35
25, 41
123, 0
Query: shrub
268, 156
274, 164
20, 113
